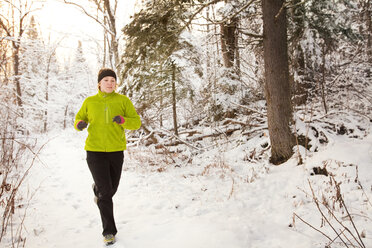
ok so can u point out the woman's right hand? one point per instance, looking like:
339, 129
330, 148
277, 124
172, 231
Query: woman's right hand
81, 125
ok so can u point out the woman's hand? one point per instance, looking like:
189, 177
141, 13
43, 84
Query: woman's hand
81, 125
118, 119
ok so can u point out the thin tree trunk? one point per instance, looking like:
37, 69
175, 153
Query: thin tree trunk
237, 54
322, 82
161, 106
174, 99
65, 119
114, 43
369, 30
278, 95
46, 99
16, 76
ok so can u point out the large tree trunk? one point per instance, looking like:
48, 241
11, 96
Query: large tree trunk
278, 95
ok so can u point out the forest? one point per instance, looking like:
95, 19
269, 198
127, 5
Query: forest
229, 90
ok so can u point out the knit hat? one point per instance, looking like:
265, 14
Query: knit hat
104, 72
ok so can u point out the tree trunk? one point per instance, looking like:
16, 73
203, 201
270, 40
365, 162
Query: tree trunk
369, 30
278, 95
46, 97
65, 119
16, 75
228, 36
174, 99
161, 106
237, 54
322, 82
114, 44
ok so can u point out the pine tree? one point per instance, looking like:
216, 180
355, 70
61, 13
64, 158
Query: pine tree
317, 29
152, 69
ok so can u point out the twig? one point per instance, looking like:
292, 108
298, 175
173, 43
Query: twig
321, 212
348, 214
313, 227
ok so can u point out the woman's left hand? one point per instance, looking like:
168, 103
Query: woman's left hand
118, 119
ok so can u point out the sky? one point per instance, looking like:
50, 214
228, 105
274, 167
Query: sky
66, 24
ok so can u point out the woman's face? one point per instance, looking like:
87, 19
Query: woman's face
108, 84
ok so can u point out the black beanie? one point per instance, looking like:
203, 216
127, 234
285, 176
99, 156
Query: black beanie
104, 72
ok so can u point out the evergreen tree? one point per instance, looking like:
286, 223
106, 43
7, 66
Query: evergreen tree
153, 41
317, 30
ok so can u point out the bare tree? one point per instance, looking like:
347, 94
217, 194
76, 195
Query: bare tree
106, 17
14, 23
278, 95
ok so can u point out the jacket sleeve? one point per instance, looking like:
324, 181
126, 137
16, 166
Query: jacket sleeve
132, 119
81, 115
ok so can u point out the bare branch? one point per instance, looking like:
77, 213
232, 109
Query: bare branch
316, 229
260, 36
198, 11
89, 15
348, 214
4, 27
10, 3
321, 212
238, 12
111, 17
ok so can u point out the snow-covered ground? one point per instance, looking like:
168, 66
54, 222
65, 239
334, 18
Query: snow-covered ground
218, 201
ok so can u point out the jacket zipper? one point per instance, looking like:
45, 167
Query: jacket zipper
106, 113
106, 120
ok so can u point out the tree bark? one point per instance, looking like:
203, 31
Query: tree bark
369, 30
174, 100
114, 44
322, 82
65, 119
277, 87
16, 75
46, 97
228, 36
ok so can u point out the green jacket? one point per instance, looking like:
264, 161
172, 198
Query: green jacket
104, 135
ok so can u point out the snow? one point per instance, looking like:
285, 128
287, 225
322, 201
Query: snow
217, 201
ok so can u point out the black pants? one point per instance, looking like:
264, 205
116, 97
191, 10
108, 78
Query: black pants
106, 171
